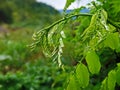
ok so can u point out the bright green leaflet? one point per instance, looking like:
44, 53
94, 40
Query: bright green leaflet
73, 85
112, 40
111, 80
93, 62
82, 75
118, 74
104, 85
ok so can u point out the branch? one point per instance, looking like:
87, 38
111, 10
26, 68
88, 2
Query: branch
57, 22
84, 14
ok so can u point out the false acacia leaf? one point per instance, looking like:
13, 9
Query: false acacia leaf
93, 62
82, 75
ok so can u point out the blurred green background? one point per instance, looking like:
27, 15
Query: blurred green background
21, 69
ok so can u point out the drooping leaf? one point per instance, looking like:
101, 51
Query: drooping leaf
103, 19
111, 80
118, 74
63, 34
82, 75
112, 41
104, 13
94, 19
68, 3
91, 27
93, 62
73, 85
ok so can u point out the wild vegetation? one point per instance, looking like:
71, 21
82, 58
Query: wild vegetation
83, 49
26, 12
95, 45
21, 69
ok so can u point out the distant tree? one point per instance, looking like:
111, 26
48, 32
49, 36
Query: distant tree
5, 12
28, 11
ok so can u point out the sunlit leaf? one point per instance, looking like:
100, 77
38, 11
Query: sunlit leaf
112, 40
82, 75
111, 80
73, 85
104, 85
93, 62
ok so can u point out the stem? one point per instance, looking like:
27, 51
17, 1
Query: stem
57, 22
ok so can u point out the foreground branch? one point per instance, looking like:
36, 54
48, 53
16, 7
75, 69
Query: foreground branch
76, 15
57, 22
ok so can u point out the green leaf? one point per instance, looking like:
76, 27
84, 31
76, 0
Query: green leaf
94, 19
91, 27
118, 75
73, 85
111, 80
104, 13
83, 75
112, 40
118, 49
93, 62
104, 84
68, 3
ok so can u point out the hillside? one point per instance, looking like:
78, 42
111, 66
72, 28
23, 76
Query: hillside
26, 12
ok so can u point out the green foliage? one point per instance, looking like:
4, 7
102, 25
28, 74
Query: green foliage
12, 55
80, 79
93, 62
26, 12
112, 7
68, 3
5, 12
82, 75
111, 80
104, 85
85, 46
118, 74
21, 69
73, 83
113, 39
36, 76
91, 37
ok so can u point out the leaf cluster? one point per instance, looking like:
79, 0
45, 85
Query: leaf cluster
91, 39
